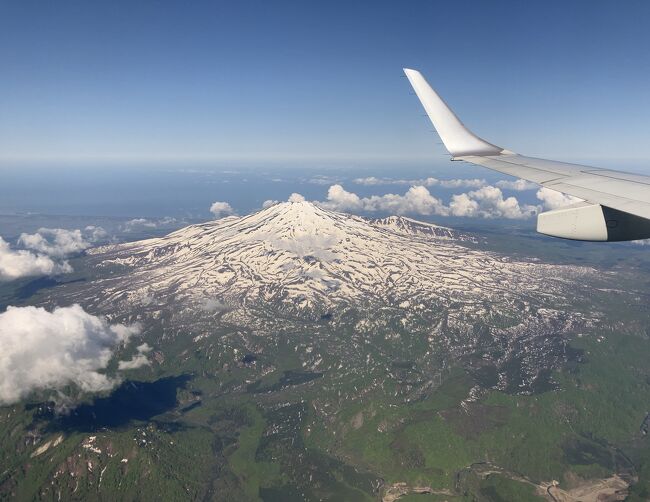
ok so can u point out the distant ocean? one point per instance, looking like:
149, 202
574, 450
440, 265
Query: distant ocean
72, 197
187, 191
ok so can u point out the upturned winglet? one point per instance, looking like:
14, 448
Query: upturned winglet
458, 140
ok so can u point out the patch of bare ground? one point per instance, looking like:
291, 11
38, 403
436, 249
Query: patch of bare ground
397, 490
593, 490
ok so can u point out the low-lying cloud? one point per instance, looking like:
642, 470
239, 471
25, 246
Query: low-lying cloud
489, 202
139, 360
220, 209
321, 179
44, 251
516, 185
44, 350
296, 197
55, 242
553, 199
268, 203
17, 263
96, 234
426, 182
144, 223
486, 202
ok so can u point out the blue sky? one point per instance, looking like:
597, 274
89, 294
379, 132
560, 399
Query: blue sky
317, 82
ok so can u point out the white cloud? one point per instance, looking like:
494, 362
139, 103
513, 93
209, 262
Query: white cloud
371, 181
135, 223
44, 350
45, 251
21, 263
463, 205
55, 242
340, 199
268, 203
296, 197
553, 199
491, 204
516, 185
139, 223
460, 183
96, 234
427, 182
137, 361
417, 200
221, 209
322, 180
486, 202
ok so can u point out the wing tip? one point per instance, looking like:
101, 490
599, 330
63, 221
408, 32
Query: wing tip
458, 140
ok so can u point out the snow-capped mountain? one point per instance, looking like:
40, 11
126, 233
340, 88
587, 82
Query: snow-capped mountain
302, 257
351, 295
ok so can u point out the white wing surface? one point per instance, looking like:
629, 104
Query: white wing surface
628, 193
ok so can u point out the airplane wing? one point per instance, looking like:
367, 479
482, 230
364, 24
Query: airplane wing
624, 198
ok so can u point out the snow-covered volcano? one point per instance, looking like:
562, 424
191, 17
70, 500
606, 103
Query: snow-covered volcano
299, 256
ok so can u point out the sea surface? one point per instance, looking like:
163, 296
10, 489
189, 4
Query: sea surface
61, 196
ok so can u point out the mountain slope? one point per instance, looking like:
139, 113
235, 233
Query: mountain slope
305, 258
385, 355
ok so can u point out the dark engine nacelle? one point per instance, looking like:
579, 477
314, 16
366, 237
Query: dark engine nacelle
585, 221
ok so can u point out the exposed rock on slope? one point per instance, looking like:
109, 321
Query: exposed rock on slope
300, 256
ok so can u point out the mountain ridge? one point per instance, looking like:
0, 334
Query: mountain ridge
308, 257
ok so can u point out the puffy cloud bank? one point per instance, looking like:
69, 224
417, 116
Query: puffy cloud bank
516, 185
45, 250
489, 202
15, 264
221, 209
44, 350
55, 242
553, 199
417, 200
486, 202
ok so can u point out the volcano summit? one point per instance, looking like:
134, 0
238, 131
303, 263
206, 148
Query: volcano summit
290, 267
303, 258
